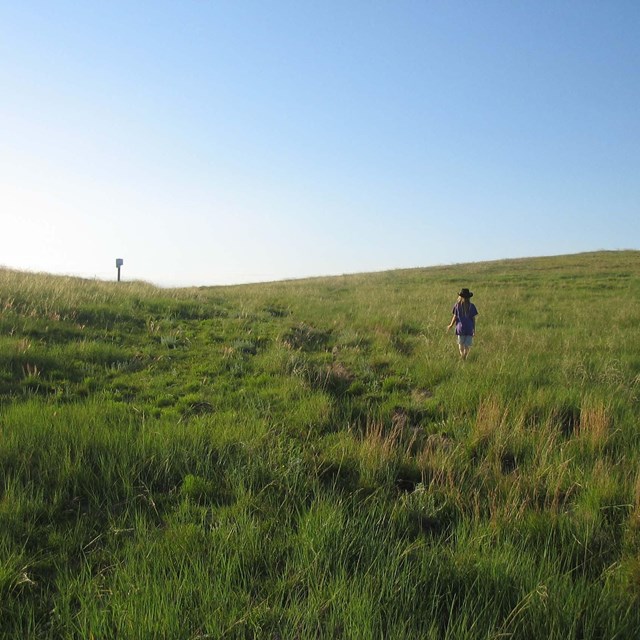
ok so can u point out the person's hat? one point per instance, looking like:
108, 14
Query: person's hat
465, 293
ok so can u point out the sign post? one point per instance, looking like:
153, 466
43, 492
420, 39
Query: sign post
119, 263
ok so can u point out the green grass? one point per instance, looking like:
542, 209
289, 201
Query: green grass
311, 459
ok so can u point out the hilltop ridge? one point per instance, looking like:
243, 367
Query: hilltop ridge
564, 259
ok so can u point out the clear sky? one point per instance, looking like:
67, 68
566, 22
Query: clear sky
229, 141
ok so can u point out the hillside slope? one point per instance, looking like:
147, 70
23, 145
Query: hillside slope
311, 458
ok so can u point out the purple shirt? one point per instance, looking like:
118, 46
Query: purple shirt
465, 320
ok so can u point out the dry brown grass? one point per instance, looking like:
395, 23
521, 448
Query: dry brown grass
595, 425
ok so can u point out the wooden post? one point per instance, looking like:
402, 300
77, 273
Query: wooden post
119, 263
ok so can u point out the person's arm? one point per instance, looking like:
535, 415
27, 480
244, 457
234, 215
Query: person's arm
453, 321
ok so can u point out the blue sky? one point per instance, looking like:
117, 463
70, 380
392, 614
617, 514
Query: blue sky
220, 142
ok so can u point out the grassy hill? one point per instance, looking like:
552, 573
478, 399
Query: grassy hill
311, 459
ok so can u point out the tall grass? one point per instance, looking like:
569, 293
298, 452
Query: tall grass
311, 459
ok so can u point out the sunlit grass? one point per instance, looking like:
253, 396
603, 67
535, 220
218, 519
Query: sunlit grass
311, 459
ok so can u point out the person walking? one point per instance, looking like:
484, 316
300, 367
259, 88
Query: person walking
464, 319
